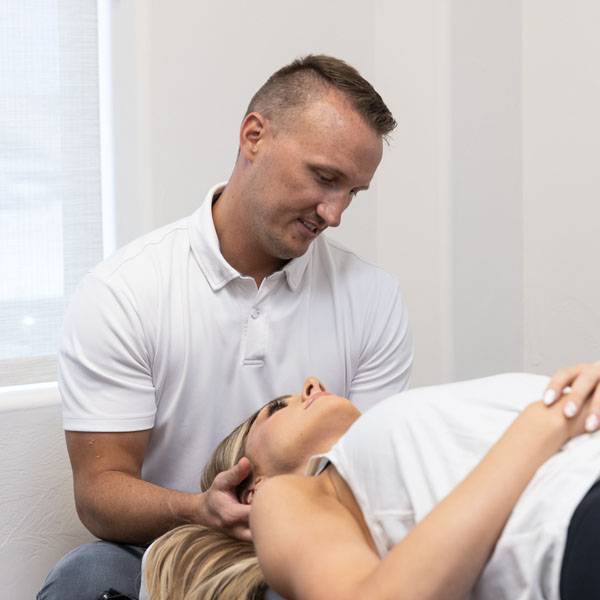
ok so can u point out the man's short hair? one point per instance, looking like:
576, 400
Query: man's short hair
308, 78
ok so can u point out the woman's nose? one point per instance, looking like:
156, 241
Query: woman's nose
312, 385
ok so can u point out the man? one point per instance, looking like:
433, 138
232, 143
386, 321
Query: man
183, 333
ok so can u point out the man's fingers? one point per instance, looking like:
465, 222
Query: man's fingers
226, 512
234, 476
240, 513
241, 533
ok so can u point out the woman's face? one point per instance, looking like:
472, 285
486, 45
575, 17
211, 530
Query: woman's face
291, 429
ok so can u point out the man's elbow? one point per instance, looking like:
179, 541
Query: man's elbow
88, 504
88, 516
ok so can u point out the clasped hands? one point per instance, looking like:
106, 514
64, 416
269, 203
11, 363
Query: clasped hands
578, 388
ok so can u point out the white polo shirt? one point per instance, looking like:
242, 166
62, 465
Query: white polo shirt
166, 335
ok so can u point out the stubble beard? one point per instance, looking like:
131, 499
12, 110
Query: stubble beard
278, 248
273, 241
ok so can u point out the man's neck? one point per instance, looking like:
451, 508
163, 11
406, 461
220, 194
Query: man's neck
237, 248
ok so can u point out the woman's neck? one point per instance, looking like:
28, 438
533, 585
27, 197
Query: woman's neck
330, 483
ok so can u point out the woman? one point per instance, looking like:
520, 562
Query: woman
434, 494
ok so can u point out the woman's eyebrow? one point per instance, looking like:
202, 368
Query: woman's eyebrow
285, 397
275, 400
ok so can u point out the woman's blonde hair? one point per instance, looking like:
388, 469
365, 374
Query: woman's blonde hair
194, 562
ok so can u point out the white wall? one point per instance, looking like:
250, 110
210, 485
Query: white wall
468, 206
38, 522
413, 200
486, 228
561, 166
489, 199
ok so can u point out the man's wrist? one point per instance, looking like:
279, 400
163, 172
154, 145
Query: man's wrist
187, 508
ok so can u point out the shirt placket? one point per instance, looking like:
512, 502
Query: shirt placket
257, 322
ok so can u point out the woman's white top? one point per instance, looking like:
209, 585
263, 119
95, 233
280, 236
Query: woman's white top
403, 456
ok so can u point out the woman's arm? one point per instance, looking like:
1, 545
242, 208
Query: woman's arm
311, 547
444, 555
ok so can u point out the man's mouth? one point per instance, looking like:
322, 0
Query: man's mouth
310, 227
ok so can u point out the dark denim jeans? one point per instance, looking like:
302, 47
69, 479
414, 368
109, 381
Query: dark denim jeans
93, 568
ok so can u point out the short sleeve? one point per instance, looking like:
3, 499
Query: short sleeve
104, 377
387, 351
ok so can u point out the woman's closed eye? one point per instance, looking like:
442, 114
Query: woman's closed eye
276, 405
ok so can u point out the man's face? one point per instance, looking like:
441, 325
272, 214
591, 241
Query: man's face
304, 175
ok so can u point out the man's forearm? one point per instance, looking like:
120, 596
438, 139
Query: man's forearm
119, 507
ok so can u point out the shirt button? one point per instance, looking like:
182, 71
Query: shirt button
255, 313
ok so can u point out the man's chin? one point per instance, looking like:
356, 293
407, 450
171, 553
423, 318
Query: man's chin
297, 254
291, 252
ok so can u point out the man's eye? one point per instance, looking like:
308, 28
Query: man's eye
276, 405
325, 179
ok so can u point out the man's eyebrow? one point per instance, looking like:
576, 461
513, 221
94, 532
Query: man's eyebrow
336, 171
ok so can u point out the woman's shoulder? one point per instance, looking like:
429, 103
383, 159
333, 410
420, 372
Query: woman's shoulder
290, 500
297, 524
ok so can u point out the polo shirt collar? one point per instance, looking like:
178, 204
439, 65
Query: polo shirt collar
205, 245
294, 270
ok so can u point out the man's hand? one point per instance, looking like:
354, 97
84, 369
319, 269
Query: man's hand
221, 508
116, 504
582, 384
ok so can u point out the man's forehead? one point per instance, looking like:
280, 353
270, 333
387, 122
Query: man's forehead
333, 132
330, 110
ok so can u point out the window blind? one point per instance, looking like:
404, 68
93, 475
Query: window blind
50, 203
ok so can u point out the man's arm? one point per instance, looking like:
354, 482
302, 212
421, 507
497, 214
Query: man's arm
114, 503
386, 356
109, 405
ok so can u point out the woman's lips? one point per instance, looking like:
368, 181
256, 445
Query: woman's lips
315, 397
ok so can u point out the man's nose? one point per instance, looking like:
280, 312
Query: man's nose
331, 210
312, 385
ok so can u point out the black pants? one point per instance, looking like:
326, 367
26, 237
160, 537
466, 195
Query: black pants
580, 571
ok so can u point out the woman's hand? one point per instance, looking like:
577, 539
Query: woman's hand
575, 387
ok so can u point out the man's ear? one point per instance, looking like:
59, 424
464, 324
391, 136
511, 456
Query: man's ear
252, 132
248, 493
